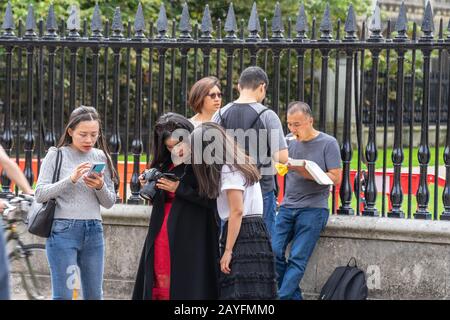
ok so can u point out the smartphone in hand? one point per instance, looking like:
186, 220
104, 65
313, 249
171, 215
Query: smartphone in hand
98, 167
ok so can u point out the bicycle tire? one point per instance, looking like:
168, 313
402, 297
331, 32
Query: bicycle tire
33, 260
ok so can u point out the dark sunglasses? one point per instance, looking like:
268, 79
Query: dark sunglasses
214, 95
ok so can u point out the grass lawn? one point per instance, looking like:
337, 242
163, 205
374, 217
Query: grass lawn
131, 158
415, 163
378, 204
389, 164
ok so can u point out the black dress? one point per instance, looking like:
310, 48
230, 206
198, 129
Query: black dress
193, 231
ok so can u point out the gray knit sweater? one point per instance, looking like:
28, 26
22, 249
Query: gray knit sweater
74, 200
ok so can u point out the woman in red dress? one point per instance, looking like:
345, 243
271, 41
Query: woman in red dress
161, 283
180, 253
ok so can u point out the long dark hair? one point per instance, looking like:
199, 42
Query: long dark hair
85, 113
164, 128
208, 175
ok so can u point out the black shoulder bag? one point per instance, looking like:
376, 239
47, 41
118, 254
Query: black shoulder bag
41, 218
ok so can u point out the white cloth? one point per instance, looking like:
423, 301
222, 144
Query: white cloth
195, 122
232, 179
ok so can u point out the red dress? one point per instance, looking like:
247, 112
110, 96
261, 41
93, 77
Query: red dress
161, 281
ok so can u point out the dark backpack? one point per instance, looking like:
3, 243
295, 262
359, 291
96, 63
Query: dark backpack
247, 118
237, 117
345, 283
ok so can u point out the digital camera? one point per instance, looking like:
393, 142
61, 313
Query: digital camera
151, 176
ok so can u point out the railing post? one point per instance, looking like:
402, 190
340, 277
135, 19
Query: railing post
29, 141
73, 25
162, 27
231, 29
277, 37
96, 35
52, 28
346, 149
206, 38
302, 28
137, 144
115, 140
60, 122
423, 194
325, 37
7, 136
370, 192
397, 152
185, 28
446, 157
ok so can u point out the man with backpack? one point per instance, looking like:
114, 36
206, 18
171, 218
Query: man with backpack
304, 212
259, 131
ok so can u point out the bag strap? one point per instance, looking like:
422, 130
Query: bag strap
354, 260
58, 164
220, 118
252, 124
258, 116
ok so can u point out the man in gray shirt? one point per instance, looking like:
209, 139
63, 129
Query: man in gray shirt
304, 211
259, 131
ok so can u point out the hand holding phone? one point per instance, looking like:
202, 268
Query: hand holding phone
98, 168
168, 182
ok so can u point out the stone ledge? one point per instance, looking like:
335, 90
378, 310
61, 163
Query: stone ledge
390, 229
369, 228
127, 215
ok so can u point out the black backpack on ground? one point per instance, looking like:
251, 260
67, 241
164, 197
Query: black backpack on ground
345, 283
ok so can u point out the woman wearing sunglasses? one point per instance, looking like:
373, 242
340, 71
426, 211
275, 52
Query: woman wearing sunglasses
205, 98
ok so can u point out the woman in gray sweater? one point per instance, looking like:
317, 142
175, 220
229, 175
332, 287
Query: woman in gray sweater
75, 248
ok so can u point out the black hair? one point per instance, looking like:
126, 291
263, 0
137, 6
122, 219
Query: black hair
209, 175
252, 78
85, 113
164, 128
299, 106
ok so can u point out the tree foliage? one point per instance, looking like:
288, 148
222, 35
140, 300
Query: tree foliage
218, 9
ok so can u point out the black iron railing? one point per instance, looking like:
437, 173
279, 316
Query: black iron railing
132, 76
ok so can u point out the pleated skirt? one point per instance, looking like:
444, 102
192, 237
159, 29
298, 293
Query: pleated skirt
252, 265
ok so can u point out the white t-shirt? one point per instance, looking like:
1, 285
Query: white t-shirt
195, 122
231, 179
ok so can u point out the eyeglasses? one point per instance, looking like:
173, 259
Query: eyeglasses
214, 95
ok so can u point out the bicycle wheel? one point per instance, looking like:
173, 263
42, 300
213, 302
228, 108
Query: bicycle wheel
30, 266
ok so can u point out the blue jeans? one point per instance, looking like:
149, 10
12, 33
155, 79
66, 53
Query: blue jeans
302, 227
75, 249
4, 267
269, 211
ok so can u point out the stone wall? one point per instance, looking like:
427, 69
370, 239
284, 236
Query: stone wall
403, 259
